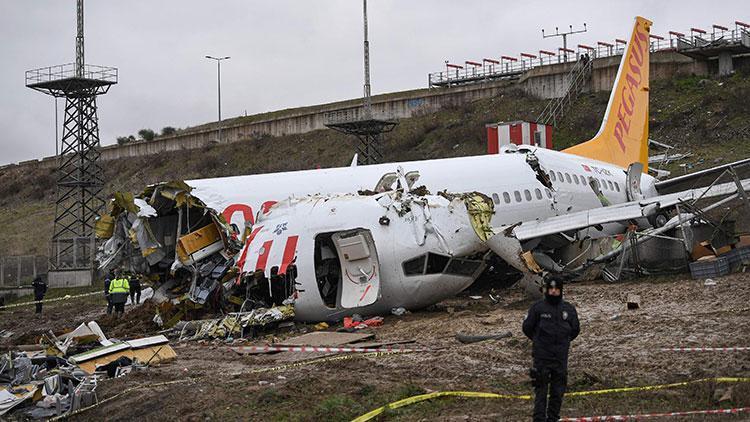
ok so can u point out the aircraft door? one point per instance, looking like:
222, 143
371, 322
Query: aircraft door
633, 182
360, 268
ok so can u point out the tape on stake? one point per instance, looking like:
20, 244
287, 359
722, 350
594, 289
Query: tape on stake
733, 411
57, 299
704, 349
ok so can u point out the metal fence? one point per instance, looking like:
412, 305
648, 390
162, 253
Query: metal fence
20, 270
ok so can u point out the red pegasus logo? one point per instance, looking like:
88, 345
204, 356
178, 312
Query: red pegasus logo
633, 81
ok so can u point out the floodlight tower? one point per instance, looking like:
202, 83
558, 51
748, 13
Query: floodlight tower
79, 175
364, 126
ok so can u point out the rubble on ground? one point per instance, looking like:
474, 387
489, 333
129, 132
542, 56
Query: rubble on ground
60, 374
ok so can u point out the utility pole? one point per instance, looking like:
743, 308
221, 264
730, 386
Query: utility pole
564, 36
218, 84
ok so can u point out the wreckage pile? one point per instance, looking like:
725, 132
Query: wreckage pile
60, 374
185, 250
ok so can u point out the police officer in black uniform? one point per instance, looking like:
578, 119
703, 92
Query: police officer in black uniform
40, 288
551, 324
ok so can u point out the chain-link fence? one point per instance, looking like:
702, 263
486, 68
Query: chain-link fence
20, 270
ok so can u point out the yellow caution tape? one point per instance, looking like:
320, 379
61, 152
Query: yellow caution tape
655, 387
57, 299
474, 394
422, 397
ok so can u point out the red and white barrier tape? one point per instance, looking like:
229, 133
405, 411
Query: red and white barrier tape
733, 411
704, 349
318, 349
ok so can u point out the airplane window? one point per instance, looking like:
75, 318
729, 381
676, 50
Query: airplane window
538, 193
560, 176
567, 178
436, 263
575, 179
604, 184
517, 194
495, 199
527, 194
506, 197
552, 176
610, 185
617, 186
462, 267
549, 193
414, 266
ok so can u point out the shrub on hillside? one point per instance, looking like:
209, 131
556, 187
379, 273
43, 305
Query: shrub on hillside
147, 134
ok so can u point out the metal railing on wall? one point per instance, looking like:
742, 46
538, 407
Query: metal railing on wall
510, 69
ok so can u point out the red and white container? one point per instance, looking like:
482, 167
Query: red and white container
519, 133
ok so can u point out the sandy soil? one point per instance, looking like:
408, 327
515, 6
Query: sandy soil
617, 347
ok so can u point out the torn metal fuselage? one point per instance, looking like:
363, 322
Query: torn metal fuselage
352, 254
169, 238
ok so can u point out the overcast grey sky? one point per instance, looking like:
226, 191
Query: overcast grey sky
285, 53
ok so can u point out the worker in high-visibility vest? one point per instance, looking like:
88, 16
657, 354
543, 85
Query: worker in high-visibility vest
119, 290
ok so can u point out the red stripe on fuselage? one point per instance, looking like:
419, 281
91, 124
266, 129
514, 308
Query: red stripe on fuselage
289, 253
263, 257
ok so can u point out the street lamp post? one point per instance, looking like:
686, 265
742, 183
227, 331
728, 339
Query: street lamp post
218, 75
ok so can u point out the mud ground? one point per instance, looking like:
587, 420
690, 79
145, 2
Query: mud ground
617, 347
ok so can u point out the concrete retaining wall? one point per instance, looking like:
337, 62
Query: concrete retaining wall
544, 82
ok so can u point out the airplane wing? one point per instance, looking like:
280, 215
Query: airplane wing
702, 178
619, 212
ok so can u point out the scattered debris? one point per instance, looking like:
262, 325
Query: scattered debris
399, 311
469, 338
61, 374
234, 324
356, 322
633, 301
475, 297
709, 282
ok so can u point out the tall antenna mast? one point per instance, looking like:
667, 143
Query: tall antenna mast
80, 63
368, 101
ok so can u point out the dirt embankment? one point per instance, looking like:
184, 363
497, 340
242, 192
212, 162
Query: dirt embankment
707, 118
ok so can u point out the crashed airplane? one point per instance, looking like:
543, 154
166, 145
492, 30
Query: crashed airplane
335, 242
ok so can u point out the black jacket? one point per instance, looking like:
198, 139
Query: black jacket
551, 328
40, 288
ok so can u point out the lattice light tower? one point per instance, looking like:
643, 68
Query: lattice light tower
360, 122
79, 177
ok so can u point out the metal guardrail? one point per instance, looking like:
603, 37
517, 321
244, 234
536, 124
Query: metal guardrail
514, 69
68, 71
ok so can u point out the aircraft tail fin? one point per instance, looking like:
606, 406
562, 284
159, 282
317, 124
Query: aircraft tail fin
623, 136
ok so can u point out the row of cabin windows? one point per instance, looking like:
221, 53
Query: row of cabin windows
517, 195
433, 263
581, 180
